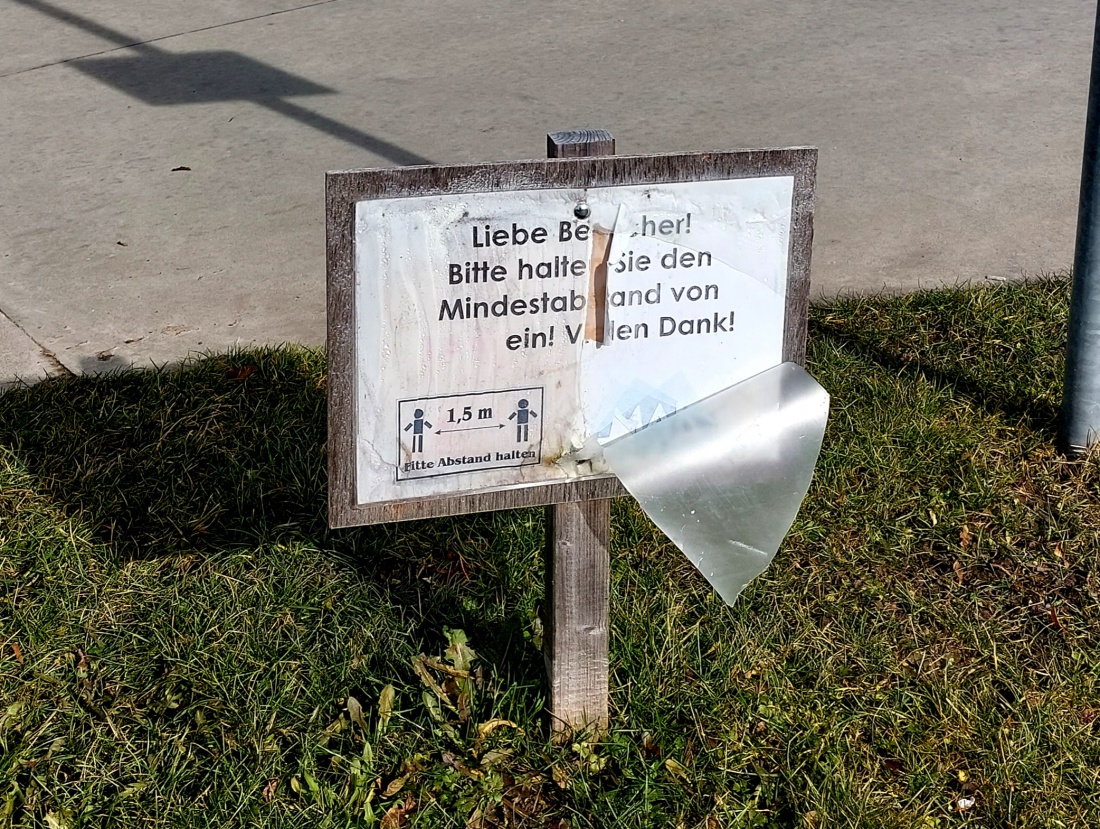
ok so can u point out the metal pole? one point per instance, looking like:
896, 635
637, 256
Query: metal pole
1081, 401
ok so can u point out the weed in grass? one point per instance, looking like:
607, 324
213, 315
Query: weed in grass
184, 643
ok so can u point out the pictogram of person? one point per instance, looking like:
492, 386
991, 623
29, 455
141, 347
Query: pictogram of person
521, 416
417, 426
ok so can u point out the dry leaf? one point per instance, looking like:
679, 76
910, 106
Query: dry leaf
560, 776
443, 668
958, 568
269, 789
456, 764
964, 537
395, 817
420, 669
396, 785
1054, 617
489, 726
241, 372
333, 729
495, 755
464, 710
18, 651
678, 771
385, 707
355, 711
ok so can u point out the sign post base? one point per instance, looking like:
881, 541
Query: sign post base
577, 609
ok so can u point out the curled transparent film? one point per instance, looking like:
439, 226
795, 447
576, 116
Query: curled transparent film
724, 478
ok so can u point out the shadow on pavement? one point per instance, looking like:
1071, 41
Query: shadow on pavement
164, 79
160, 78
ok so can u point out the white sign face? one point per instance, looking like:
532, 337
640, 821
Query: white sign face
500, 339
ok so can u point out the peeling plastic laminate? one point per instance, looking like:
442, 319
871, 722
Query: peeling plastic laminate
725, 477
628, 382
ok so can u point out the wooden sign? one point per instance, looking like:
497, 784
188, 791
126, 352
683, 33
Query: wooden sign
490, 326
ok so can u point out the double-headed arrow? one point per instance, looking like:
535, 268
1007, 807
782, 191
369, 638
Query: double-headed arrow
467, 429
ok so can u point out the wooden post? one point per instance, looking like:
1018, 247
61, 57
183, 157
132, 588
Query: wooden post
578, 563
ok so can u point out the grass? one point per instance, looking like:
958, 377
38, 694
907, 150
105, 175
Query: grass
184, 643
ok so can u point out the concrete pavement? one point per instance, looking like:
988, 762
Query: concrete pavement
950, 138
21, 357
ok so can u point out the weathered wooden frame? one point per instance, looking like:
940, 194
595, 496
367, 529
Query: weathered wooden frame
344, 189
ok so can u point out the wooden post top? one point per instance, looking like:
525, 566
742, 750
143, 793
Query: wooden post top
579, 143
